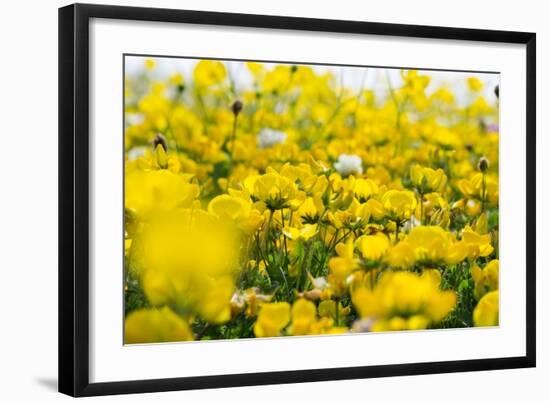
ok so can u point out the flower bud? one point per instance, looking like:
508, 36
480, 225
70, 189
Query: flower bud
236, 107
483, 164
160, 140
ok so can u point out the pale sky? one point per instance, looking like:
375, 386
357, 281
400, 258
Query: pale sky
374, 78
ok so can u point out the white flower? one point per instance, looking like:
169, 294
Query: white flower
411, 223
269, 137
320, 283
134, 118
136, 152
348, 164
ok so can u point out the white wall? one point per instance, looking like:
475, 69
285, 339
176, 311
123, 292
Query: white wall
28, 199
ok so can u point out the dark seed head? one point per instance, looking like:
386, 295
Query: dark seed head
236, 107
496, 91
483, 164
160, 140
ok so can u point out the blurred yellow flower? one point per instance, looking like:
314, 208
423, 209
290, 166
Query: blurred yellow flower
273, 318
485, 279
343, 265
155, 191
150, 64
303, 317
209, 72
373, 247
155, 326
415, 300
474, 84
174, 245
432, 244
238, 209
402, 255
304, 233
486, 313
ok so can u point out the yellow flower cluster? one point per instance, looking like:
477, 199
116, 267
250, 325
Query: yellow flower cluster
291, 205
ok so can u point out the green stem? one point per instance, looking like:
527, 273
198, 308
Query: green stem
303, 268
266, 232
422, 208
396, 231
371, 279
483, 193
284, 236
337, 312
233, 134
202, 107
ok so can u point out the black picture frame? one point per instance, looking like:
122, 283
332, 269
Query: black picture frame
74, 194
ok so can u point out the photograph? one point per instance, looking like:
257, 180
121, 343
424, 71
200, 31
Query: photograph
277, 198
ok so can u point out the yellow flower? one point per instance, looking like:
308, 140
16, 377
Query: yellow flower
487, 311
478, 245
432, 244
480, 107
365, 189
155, 326
150, 64
272, 319
209, 72
272, 188
161, 158
176, 79
237, 209
181, 268
304, 233
252, 298
361, 213
342, 265
303, 316
157, 287
276, 79
154, 191
474, 84
373, 247
127, 246
485, 279
399, 205
480, 187
327, 308
403, 295
398, 323
256, 69
315, 185
401, 256
311, 208
481, 224
376, 209
426, 179
228, 206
